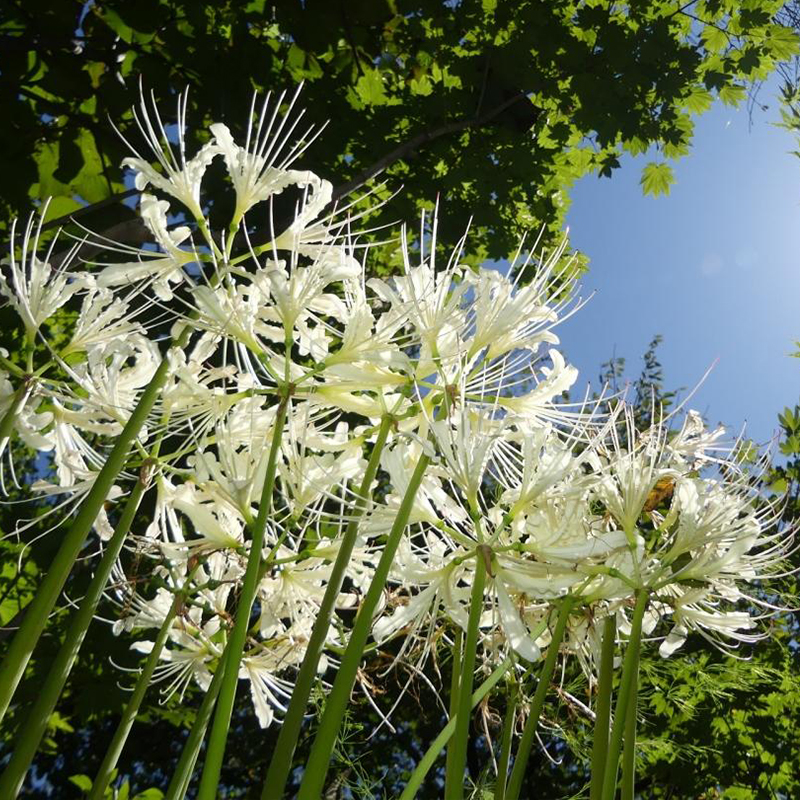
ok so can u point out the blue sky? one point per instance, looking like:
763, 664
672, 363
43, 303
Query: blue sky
714, 267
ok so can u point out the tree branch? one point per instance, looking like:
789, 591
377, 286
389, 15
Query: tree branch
79, 212
419, 140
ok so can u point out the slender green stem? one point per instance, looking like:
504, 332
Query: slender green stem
526, 742
455, 789
629, 749
36, 723
455, 679
47, 594
236, 642
281, 761
505, 746
432, 753
630, 669
336, 703
603, 706
114, 750
179, 782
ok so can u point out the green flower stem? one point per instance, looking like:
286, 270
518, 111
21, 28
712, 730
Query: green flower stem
114, 750
505, 746
432, 753
236, 642
337, 700
47, 594
454, 790
455, 678
603, 706
281, 761
546, 675
629, 749
182, 776
35, 725
630, 669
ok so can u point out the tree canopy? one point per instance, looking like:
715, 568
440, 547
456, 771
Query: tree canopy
494, 107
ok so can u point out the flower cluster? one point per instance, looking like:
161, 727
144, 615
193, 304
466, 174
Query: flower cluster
290, 371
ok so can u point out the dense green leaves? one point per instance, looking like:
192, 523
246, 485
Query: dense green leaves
496, 107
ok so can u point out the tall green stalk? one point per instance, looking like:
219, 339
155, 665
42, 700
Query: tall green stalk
337, 700
455, 680
603, 706
281, 762
37, 612
629, 749
505, 745
546, 675
432, 753
454, 790
182, 776
104, 774
235, 647
630, 671
36, 723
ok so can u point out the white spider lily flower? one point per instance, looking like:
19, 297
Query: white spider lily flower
193, 648
557, 529
432, 303
466, 441
159, 270
268, 692
693, 442
307, 477
716, 527
539, 405
432, 503
521, 639
82, 483
34, 427
372, 404
216, 526
234, 473
180, 178
293, 591
628, 475
71, 451
232, 311
28, 424
165, 518
103, 318
362, 375
506, 317
535, 579
365, 341
315, 241
142, 613
695, 610
36, 291
297, 293
531, 462
112, 377
225, 571
260, 169
434, 573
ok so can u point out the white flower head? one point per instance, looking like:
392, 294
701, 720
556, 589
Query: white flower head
180, 178
36, 290
260, 169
